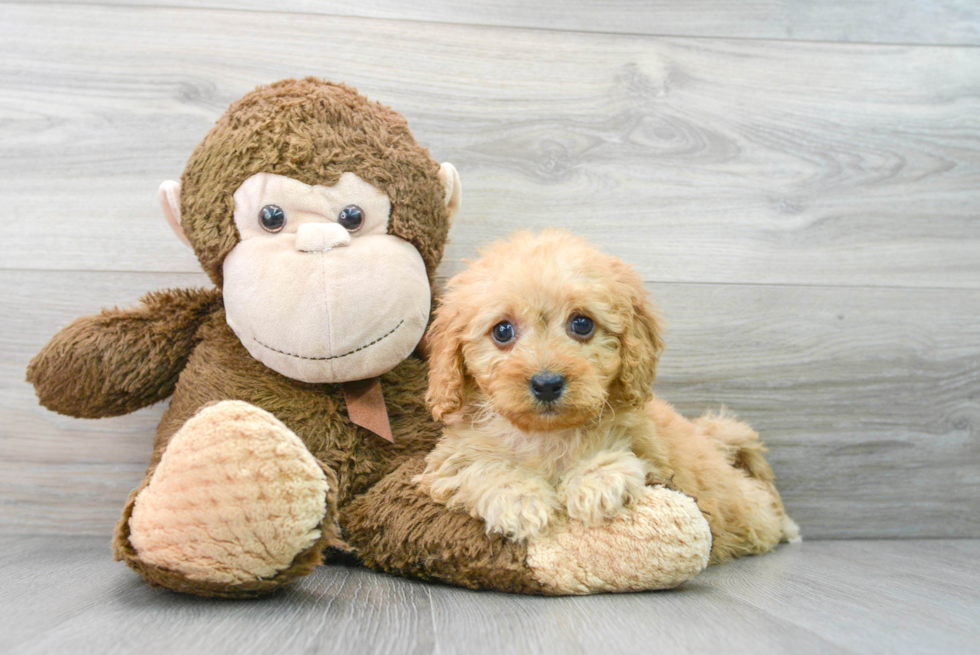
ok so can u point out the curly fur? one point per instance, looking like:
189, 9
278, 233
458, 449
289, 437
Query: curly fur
514, 461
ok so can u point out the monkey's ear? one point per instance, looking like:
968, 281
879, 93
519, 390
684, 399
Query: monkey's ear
169, 196
454, 190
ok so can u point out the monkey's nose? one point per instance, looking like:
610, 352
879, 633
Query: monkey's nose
321, 237
547, 386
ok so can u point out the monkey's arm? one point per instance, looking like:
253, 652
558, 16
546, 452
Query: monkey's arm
121, 360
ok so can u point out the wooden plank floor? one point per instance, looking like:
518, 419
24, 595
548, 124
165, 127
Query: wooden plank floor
66, 595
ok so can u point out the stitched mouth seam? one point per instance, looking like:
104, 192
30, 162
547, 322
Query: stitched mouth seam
367, 345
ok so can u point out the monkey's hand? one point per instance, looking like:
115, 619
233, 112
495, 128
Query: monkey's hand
121, 360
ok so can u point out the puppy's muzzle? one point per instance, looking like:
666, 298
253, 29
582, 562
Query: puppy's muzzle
547, 387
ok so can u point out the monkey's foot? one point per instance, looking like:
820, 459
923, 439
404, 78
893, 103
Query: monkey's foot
236, 507
660, 542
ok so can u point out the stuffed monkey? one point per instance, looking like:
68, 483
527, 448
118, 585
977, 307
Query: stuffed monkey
298, 419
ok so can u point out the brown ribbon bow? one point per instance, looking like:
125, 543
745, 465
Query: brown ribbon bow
366, 407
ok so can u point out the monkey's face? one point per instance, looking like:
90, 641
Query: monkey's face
317, 289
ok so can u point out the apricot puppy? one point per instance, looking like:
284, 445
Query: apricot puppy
542, 357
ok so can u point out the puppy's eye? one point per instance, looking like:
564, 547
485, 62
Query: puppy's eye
351, 218
503, 332
272, 218
581, 327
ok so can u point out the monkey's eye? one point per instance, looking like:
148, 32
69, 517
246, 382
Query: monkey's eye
503, 332
272, 218
351, 218
581, 327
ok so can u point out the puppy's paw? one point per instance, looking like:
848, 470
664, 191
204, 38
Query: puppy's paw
602, 487
518, 513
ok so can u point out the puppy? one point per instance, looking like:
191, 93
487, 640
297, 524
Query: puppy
542, 356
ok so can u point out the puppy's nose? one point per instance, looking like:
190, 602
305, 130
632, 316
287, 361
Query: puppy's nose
547, 386
321, 237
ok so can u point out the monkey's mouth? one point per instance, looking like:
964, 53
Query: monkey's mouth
329, 357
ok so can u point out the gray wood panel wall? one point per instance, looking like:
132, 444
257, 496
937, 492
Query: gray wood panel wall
798, 183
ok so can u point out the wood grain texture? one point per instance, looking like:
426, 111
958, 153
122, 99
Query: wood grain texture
65, 595
868, 399
941, 22
700, 160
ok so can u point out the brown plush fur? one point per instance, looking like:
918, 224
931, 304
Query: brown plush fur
121, 360
178, 342
220, 369
401, 530
516, 462
311, 131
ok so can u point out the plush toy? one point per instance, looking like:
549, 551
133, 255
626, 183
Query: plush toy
298, 420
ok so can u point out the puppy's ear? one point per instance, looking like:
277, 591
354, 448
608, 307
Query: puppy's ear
642, 344
447, 373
